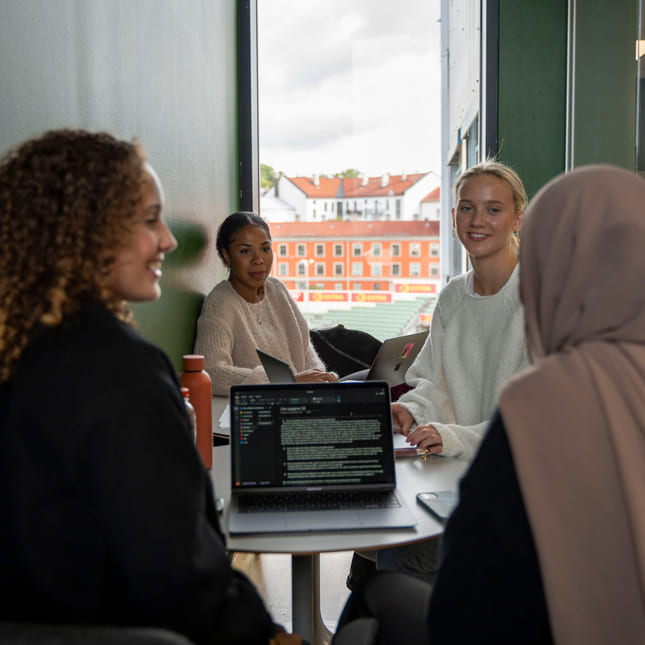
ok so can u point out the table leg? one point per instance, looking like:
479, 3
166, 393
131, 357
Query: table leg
305, 599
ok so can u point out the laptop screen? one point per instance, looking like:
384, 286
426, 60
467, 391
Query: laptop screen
308, 436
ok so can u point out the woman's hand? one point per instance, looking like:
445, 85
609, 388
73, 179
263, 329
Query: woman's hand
402, 420
316, 376
426, 438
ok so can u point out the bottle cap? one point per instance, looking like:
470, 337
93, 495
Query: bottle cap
193, 362
185, 391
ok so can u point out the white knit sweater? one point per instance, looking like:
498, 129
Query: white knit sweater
230, 329
475, 344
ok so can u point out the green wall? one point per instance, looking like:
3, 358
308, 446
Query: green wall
532, 88
604, 107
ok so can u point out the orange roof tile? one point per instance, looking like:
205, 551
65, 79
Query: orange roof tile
353, 188
355, 229
433, 195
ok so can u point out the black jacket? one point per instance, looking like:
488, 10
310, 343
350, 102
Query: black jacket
106, 512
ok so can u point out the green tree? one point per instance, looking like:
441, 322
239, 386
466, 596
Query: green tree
350, 172
266, 176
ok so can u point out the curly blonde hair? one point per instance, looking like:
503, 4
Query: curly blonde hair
67, 204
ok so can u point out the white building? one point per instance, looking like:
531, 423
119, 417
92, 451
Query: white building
390, 197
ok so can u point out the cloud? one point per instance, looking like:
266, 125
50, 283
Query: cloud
350, 84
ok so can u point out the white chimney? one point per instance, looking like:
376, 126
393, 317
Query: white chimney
363, 180
315, 180
385, 180
404, 176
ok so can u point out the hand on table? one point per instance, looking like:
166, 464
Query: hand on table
315, 376
426, 438
402, 418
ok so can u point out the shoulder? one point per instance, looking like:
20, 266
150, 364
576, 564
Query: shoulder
276, 289
222, 298
452, 296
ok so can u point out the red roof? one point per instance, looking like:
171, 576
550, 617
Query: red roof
352, 187
355, 229
433, 195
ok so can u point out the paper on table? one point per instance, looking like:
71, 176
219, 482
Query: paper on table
224, 421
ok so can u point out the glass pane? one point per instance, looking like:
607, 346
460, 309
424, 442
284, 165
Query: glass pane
349, 127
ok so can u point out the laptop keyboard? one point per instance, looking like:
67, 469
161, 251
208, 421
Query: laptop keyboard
322, 501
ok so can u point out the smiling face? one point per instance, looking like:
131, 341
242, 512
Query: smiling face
485, 217
137, 269
249, 257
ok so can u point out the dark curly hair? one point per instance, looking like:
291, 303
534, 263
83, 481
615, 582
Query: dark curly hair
67, 204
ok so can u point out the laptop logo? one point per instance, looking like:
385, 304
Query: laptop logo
404, 354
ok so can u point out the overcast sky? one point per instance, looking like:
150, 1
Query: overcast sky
349, 84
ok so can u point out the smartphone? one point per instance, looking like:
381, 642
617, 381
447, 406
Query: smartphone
440, 503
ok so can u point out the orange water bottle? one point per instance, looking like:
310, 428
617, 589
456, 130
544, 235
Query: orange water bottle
200, 389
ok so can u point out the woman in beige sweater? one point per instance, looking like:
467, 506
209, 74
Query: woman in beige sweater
250, 311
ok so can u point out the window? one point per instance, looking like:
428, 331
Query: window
376, 249
302, 269
283, 268
434, 270
357, 249
320, 250
357, 269
301, 250
434, 249
357, 286
415, 269
339, 269
396, 269
283, 250
320, 268
415, 249
338, 286
338, 250
395, 250
376, 269
397, 203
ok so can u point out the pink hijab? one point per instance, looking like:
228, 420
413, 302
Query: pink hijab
576, 419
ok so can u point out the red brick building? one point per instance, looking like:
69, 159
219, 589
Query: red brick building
336, 262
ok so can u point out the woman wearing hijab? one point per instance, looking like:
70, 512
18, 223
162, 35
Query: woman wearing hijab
548, 541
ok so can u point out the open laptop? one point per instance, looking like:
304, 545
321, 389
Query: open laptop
395, 356
278, 371
295, 447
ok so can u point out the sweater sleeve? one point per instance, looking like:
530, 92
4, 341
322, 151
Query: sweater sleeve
220, 328
429, 399
158, 513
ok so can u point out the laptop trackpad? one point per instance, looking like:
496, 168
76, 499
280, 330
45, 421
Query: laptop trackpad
322, 520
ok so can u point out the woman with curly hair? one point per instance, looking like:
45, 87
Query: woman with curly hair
108, 514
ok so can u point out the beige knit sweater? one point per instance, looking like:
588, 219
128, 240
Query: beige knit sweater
230, 329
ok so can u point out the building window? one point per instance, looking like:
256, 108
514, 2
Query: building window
377, 286
387, 205
415, 249
357, 269
434, 271
338, 250
320, 250
283, 268
415, 269
338, 268
325, 207
357, 286
283, 250
320, 268
395, 250
376, 249
397, 203
376, 269
301, 250
302, 269
338, 286
434, 250
357, 249
396, 269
